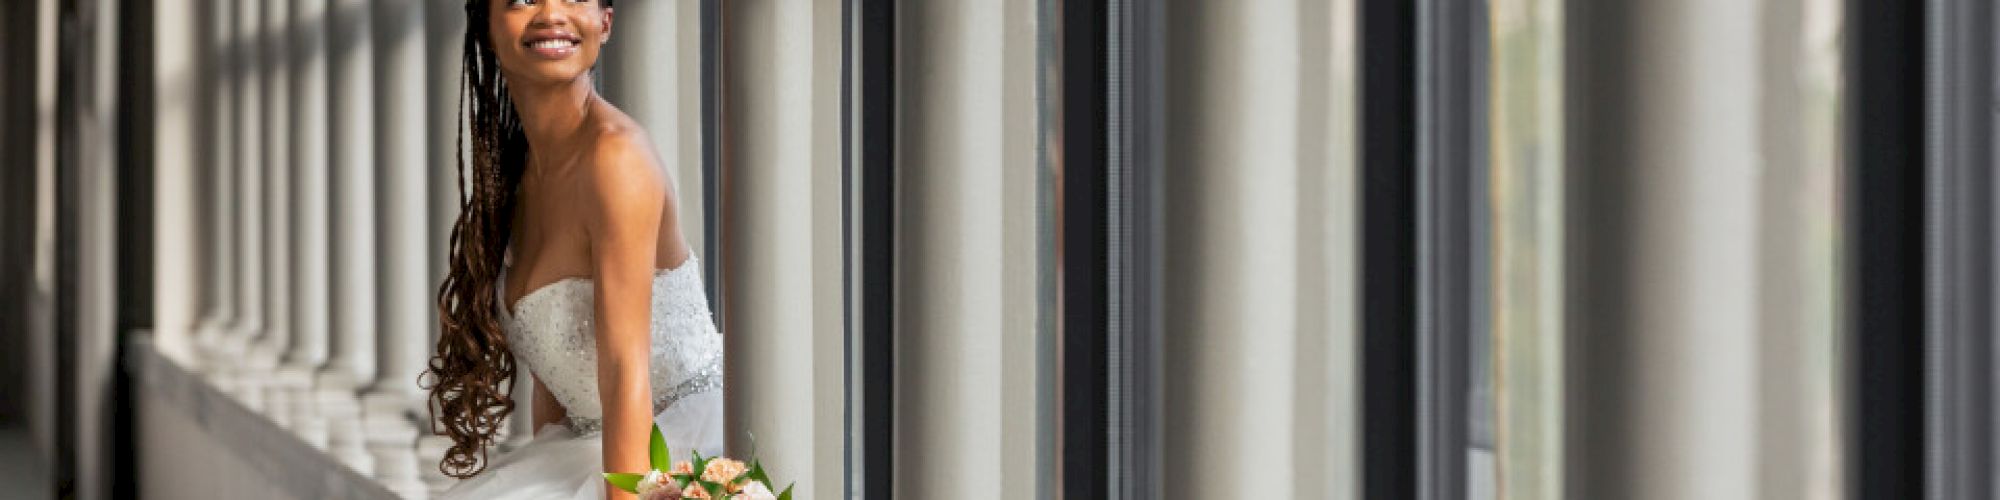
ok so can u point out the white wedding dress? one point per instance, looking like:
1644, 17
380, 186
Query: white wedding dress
551, 335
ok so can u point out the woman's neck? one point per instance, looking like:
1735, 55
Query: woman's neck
551, 115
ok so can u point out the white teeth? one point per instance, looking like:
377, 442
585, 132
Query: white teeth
553, 44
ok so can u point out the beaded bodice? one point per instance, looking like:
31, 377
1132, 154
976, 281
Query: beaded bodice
550, 331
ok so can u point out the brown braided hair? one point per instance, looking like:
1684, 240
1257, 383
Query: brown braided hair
472, 370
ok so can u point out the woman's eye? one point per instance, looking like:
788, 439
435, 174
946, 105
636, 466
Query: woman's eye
518, 3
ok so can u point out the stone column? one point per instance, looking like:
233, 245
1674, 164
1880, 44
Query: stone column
248, 217
404, 333
1662, 288
446, 49
351, 67
968, 161
310, 316
648, 72
176, 216
445, 38
221, 248
94, 214
785, 57
264, 354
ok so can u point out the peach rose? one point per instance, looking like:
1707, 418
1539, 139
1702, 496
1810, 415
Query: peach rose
694, 491
723, 471
683, 467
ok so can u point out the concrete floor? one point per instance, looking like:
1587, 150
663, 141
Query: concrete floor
20, 470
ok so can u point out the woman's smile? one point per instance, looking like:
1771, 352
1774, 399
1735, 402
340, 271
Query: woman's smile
552, 44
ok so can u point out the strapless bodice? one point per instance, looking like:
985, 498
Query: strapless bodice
550, 332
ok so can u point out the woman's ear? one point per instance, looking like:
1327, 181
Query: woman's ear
606, 37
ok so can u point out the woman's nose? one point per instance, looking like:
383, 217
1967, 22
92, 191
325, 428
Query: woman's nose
553, 13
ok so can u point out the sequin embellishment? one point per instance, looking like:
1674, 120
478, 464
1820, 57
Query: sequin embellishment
550, 332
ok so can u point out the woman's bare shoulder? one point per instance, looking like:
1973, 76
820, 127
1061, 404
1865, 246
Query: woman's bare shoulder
621, 172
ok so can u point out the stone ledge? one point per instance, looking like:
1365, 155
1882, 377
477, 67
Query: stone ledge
277, 454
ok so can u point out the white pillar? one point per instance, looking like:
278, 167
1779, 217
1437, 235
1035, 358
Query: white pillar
394, 398
445, 49
406, 303
967, 354
248, 217
97, 238
264, 355
354, 286
652, 72
221, 248
784, 268
446, 121
446, 38
1662, 283
176, 174
310, 238
1257, 308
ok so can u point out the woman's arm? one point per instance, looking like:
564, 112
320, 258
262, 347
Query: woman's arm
628, 191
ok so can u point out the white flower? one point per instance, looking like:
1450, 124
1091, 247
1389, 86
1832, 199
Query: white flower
756, 491
654, 480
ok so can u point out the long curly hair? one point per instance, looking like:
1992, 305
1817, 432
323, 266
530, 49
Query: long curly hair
471, 372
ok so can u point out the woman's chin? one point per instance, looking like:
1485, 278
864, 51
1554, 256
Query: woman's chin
547, 76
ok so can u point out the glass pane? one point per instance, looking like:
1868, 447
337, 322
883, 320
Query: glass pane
1259, 294
1519, 371
1517, 385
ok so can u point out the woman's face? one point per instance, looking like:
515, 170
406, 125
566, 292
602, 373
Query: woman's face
540, 42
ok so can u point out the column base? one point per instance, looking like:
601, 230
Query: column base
392, 443
288, 395
338, 405
261, 364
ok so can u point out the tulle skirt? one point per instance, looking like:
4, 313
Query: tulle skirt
559, 464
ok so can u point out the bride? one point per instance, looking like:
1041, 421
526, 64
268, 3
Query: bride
567, 258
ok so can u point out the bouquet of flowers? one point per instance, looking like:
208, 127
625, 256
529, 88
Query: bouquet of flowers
713, 478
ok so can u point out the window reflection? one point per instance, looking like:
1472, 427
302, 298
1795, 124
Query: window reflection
1518, 390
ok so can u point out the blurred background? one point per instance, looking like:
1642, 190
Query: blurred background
1339, 249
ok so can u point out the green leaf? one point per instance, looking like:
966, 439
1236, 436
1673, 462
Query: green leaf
662, 460
624, 481
715, 490
700, 464
757, 474
787, 494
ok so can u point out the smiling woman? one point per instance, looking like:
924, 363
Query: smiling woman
550, 36
568, 197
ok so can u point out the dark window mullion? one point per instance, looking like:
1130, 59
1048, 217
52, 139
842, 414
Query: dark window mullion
1388, 237
868, 206
1884, 246
1084, 329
